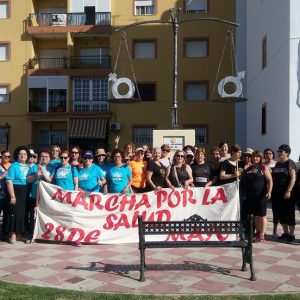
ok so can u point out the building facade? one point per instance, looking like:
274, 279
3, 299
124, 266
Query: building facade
273, 74
56, 56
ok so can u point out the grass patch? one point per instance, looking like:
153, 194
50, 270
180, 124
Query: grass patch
18, 291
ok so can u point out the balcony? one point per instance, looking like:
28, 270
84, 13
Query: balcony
68, 19
43, 106
73, 62
90, 106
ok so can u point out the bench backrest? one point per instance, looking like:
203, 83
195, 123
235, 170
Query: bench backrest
190, 227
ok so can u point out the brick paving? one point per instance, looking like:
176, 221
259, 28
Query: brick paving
115, 268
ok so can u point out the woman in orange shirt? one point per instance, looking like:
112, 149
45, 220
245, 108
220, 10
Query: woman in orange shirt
138, 168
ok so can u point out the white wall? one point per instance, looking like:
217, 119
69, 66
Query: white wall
269, 85
295, 78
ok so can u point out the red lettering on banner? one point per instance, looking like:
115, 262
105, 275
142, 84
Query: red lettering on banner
175, 237
188, 197
59, 233
111, 203
176, 199
109, 221
199, 236
73, 232
49, 227
143, 202
161, 196
220, 196
163, 215
95, 200
222, 237
205, 197
122, 222
131, 201
59, 196
92, 237
80, 200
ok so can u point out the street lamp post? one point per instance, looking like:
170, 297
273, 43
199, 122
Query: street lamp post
175, 22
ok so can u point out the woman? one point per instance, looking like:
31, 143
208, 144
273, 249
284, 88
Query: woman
129, 150
101, 160
164, 159
55, 155
66, 176
215, 154
247, 158
283, 205
269, 156
258, 188
75, 157
224, 151
119, 176
156, 172
138, 168
230, 168
18, 190
179, 174
201, 170
90, 177
5, 160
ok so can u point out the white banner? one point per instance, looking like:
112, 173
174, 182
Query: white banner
71, 216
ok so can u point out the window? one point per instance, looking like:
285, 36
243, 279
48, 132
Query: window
195, 91
201, 133
4, 93
144, 49
94, 56
47, 138
143, 135
90, 94
144, 7
196, 47
264, 52
196, 6
264, 119
4, 9
147, 91
3, 136
4, 51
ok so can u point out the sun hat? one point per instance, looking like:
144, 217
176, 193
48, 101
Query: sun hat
248, 151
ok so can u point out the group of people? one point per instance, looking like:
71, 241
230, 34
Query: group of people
141, 169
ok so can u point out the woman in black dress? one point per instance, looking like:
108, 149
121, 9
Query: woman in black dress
179, 174
283, 205
156, 172
258, 185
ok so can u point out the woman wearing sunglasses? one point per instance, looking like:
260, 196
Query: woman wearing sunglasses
90, 177
66, 176
179, 174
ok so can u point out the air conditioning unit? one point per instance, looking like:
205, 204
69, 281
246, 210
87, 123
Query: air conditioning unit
115, 126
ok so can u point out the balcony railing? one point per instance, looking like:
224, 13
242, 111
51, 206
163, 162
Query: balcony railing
47, 106
90, 106
69, 19
60, 106
73, 62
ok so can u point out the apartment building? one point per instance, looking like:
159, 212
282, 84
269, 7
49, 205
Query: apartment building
56, 56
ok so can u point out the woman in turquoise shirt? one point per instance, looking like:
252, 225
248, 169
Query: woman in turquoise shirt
14, 218
90, 177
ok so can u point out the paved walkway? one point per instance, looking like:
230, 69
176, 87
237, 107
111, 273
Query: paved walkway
114, 268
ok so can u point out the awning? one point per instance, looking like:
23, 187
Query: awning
87, 128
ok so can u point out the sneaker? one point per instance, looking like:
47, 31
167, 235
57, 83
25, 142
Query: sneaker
259, 238
12, 242
283, 236
290, 238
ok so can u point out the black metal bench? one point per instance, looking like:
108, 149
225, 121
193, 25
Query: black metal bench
197, 225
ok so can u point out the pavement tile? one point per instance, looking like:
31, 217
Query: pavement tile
17, 268
283, 270
18, 278
181, 280
287, 288
260, 285
271, 276
161, 288
210, 286
264, 258
113, 288
43, 261
131, 282
275, 254
57, 278
38, 272
295, 281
